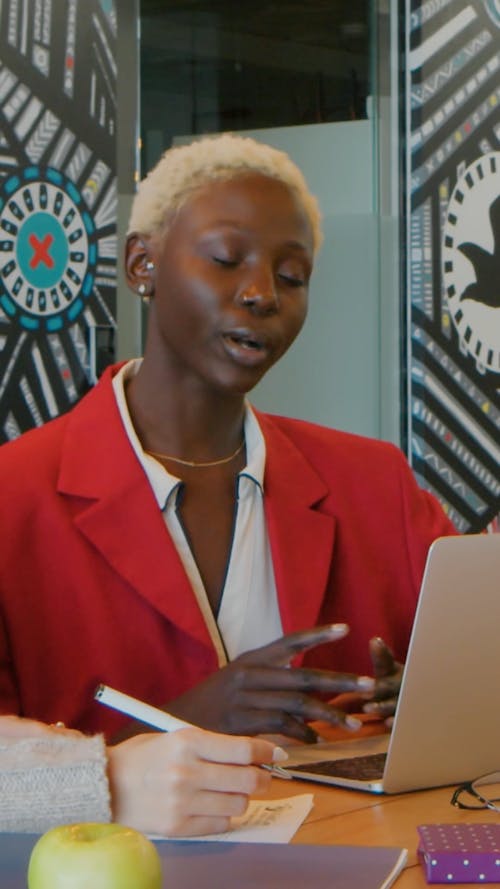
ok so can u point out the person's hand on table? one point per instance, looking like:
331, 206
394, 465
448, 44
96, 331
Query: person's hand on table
260, 693
388, 675
187, 782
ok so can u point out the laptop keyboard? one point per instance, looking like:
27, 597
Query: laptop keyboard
362, 768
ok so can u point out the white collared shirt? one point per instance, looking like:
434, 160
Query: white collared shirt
248, 614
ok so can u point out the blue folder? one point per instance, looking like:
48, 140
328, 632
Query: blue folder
245, 865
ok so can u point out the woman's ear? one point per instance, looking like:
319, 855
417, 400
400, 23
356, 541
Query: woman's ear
139, 267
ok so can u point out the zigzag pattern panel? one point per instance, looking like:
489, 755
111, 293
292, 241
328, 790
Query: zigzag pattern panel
58, 202
453, 249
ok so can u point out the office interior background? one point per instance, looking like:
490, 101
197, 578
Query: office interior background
392, 110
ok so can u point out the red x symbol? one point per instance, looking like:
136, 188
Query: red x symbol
41, 251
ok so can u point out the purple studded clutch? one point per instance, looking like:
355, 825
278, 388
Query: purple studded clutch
460, 853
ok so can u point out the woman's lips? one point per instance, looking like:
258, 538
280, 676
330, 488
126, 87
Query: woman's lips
246, 347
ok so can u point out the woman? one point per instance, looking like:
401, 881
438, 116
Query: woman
180, 541
181, 784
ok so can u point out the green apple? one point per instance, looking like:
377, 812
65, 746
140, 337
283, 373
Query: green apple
94, 856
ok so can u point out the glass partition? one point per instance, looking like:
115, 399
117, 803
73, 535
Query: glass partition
302, 77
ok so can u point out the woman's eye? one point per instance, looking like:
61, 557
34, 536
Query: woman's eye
293, 280
225, 261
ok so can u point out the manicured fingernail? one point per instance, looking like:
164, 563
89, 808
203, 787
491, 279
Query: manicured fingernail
352, 722
279, 755
372, 707
339, 630
367, 683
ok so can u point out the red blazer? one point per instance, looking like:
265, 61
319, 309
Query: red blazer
92, 589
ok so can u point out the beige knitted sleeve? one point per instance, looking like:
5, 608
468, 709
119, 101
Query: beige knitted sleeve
45, 781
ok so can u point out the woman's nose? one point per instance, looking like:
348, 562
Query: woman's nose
260, 295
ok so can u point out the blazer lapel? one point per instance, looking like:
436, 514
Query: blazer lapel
301, 537
115, 509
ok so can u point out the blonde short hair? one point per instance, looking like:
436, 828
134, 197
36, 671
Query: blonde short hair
185, 168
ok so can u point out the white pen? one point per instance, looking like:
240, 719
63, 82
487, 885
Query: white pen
165, 722
117, 700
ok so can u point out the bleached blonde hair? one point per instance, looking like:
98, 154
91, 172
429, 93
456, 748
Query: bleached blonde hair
183, 169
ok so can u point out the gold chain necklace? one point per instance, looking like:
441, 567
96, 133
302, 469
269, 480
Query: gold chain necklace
199, 465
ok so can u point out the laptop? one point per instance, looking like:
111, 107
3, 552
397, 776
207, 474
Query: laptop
447, 723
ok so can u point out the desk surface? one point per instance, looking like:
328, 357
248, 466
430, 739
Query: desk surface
341, 817
348, 817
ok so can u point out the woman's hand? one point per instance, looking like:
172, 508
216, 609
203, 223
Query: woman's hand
259, 693
188, 782
388, 675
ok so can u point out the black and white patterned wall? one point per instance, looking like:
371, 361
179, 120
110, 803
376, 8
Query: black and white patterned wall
58, 204
453, 250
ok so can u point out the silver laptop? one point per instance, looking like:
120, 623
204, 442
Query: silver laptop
447, 724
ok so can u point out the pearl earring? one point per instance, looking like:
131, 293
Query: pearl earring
141, 289
150, 266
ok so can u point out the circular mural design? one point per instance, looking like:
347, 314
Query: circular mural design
493, 9
471, 261
47, 251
